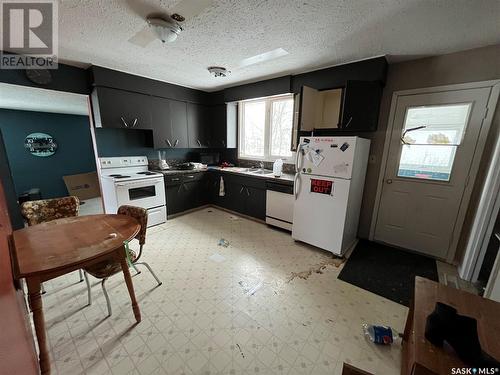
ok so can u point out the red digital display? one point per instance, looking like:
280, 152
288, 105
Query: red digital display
321, 186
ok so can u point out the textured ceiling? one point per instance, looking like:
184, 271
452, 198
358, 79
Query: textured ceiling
41, 100
315, 33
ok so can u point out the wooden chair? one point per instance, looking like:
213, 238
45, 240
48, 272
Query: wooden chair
41, 211
104, 270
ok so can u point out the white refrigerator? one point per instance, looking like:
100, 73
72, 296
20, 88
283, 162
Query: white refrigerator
328, 189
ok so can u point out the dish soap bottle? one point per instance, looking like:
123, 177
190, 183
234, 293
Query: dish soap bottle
278, 167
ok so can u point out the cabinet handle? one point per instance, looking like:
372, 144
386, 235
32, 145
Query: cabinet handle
223, 143
241, 189
134, 123
175, 179
348, 122
248, 192
180, 187
199, 143
168, 142
176, 143
124, 122
190, 176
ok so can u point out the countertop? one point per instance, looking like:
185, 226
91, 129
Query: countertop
285, 177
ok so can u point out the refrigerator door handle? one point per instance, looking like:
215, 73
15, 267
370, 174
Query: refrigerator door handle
295, 183
297, 157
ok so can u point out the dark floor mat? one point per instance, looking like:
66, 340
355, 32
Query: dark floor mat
387, 271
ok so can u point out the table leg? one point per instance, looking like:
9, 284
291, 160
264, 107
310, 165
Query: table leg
130, 286
35, 299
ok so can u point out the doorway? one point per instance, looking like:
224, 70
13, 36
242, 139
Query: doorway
433, 148
48, 145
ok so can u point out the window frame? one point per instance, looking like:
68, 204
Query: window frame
268, 100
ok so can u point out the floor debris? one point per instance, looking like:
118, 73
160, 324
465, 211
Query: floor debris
216, 257
234, 218
316, 268
223, 242
249, 289
241, 351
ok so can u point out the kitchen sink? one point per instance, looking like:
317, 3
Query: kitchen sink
261, 171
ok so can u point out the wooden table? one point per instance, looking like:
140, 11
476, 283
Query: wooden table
45, 251
419, 355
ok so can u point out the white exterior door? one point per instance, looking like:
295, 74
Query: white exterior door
432, 146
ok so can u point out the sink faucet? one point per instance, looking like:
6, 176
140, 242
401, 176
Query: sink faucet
261, 164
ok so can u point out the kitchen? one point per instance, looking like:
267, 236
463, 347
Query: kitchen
286, 208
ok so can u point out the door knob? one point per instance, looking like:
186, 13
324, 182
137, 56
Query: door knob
389, 181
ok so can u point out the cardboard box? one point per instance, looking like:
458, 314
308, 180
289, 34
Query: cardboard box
84, 185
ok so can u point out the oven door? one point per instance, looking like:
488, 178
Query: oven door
147, 193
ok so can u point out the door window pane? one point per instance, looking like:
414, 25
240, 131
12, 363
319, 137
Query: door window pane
430, 138
281, 127
254, 128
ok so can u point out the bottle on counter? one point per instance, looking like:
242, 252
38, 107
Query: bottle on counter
278, 167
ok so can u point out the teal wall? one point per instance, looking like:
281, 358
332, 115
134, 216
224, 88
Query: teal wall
74, 154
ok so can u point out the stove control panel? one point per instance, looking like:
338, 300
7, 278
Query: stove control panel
125, 161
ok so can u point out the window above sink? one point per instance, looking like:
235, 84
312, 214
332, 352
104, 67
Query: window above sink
265, 128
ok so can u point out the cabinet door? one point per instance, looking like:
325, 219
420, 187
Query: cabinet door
169, 121
309, 98
255, 202
161, 117
178, 111
361, 105
197, 115
115, 108
174, 199
218, 127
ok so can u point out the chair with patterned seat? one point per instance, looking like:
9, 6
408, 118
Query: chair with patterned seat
41, 211
103, 270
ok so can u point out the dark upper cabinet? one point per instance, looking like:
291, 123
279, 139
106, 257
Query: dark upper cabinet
169, 122
198, 120
361, 106
218, 127
352, 108
178, 112
114, 108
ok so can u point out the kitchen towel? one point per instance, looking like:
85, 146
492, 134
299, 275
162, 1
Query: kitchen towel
222, 192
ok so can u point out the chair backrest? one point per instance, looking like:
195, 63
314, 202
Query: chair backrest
40, 211
141, 215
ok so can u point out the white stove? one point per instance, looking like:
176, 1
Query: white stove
126, 180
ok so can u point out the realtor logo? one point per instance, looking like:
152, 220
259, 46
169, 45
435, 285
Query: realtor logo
29, 34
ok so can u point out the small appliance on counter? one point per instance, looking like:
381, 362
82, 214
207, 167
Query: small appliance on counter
210, 158
162, 161
183, 166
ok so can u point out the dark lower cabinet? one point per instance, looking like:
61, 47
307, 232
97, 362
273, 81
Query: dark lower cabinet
185, 192
255, 203
245, 195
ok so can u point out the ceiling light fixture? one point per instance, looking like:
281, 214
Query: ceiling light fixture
166, 30
218, 71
